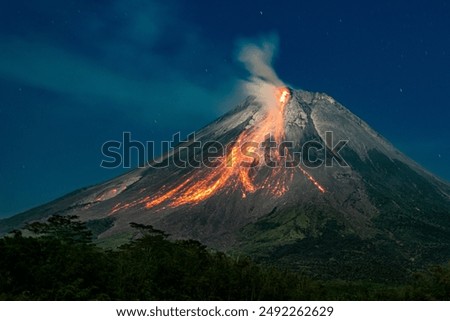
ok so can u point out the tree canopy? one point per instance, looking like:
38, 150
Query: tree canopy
58, 260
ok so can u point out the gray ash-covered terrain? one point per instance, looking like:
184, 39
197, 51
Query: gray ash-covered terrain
377, 218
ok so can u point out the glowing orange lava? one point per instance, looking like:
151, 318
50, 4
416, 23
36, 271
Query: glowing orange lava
232, 172
202, 184
316, 184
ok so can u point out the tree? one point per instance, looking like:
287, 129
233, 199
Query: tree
64, 228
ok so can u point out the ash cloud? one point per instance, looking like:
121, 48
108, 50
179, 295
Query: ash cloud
257, 57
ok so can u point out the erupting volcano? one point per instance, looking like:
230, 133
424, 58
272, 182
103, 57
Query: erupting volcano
370, 206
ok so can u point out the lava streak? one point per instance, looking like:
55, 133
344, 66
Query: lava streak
308, 176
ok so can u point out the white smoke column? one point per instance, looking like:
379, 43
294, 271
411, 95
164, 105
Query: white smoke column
257, 57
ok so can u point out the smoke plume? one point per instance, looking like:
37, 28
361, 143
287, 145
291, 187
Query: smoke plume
257, 58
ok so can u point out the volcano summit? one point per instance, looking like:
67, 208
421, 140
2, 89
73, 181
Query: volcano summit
353, 206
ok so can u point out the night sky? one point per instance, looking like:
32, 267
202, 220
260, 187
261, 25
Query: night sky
74, 74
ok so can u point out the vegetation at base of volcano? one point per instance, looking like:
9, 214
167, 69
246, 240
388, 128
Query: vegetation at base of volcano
57, 260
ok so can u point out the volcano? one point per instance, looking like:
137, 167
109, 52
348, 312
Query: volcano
349, 205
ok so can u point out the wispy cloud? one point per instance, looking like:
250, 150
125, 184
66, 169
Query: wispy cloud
257, 56
135, 63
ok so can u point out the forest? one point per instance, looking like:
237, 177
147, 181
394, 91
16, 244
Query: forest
59, 260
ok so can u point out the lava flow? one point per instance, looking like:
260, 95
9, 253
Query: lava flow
231, 171
199, 186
